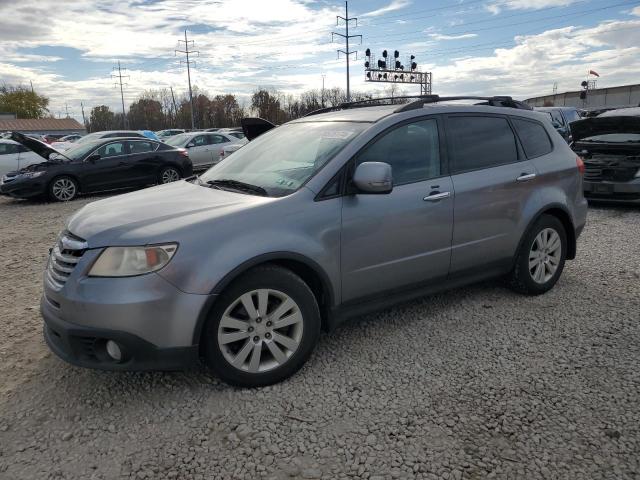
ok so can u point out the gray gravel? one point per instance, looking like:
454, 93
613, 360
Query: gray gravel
474, 383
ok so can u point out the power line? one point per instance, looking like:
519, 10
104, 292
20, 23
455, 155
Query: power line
119, 76
188, 62
346, 36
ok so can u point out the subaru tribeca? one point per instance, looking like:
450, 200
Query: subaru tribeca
317, 220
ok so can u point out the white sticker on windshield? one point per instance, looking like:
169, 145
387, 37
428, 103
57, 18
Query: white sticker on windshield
340, 134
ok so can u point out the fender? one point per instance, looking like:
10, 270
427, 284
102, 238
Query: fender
253, 262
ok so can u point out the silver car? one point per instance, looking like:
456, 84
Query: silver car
313, 222
204, 147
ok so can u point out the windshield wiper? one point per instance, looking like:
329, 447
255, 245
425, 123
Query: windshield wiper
238, 185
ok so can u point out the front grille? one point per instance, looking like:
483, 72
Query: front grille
63, 259
610, 169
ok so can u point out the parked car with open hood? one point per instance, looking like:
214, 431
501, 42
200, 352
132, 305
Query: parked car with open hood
14, 156
610, 147
320, 219
97, 165
561, 119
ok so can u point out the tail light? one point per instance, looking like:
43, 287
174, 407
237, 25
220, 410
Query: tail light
183, 152
580, 165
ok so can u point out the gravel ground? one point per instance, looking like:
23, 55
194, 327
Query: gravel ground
474, 383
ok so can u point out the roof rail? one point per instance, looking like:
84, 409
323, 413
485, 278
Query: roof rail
422, 100
495, 101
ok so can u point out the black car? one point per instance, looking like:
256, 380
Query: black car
562, 118
104, 164
610, 148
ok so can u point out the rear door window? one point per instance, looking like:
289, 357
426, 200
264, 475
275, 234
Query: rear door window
142, 147
533, 137
477, 142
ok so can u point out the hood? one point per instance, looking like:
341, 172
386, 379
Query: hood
41, 148
604, 125
253, 127
156, 214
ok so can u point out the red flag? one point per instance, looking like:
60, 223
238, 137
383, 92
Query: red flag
593, 72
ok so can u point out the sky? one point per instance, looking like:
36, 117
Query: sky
68, 48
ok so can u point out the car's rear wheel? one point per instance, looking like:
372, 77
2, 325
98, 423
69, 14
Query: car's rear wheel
168, 175
63, 189
262, 329
541, 257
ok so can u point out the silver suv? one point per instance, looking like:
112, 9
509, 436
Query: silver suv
315, 221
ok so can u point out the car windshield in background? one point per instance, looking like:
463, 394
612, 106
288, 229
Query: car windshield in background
614, 138
572, 115
283, 159
77, 152
177, 140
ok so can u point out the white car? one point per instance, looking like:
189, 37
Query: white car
14, 156
204, 147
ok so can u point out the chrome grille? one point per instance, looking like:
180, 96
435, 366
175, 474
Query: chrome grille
63, 259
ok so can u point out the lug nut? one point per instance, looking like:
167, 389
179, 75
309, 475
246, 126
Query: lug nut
258, 320
269, 323
250, 329
256, 339
267, 335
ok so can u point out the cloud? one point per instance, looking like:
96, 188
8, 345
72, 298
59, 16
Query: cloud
497, 6
636, 12
394, 5
437, 36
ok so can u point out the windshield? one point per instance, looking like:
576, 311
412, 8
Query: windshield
178, 140
78, 151
614, 138
283, 159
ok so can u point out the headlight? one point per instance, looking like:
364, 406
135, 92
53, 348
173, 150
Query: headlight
130, 261
34, 174
637, 175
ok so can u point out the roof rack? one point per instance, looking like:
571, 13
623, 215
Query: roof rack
421, 100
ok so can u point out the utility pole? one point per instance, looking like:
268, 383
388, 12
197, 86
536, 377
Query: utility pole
66, 108
175, 109
31, 82
346, 36
322, 95
119, 76
84, 120
188, 62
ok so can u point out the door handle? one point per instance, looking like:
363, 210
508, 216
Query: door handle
434, 197
525, 177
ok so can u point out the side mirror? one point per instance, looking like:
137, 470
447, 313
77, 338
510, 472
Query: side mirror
93, 158
373, 177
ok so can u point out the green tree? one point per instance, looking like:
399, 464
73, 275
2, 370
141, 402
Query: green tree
146, 114
23, 102
101, 118
267, 105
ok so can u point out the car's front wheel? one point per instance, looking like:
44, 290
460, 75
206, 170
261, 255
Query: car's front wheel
262, 329
63, 189
541, 257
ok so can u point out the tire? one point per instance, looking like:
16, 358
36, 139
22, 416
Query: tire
168, 175
534, 273
281, 351
63, 189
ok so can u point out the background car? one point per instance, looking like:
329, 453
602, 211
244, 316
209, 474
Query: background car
204, 147
561, 119
61, 146
97, 165
609, 145
14, 156
52, 137
170, 132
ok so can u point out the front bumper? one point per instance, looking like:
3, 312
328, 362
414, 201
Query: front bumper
155, 324
629, 190
23, 187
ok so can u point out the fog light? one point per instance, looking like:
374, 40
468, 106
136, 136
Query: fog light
113, 349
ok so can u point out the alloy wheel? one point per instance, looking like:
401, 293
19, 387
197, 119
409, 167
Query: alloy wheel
63, 189
545, 255
170, 175
260, 330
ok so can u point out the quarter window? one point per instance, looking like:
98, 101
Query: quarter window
533, 137
480, 142
412, 150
